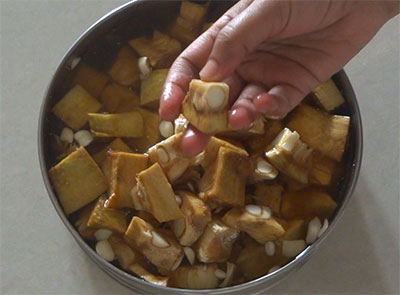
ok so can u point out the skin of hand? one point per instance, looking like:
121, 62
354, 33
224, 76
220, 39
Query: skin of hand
271, 54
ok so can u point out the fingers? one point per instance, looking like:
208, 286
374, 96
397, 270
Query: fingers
193, 141
187, 66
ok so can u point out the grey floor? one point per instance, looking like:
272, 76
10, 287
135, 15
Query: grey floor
38, 255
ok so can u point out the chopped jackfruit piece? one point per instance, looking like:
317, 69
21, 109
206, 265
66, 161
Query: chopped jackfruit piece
81, 223
183, 31
290, 155
74, 107
322, 169
125, 254
196, 216
151, 87
193, 12
269, 195
77, 180
216, 242
116, 125
201, 276
256, 221
162, 50
124, 167
119, 99
90, 79
147, 276
307, 203
257, 143
168, 154
155, 195
125, 70
117, 145
295, 229
321, 131
328, 95
206, 105
261, 170
224, 182
161, 249
103, 217
151, 132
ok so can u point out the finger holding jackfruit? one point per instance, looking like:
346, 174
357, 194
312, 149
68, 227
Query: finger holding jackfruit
321, 131
256, 221
196, 216
159, 248
216, 242
161, 49
201, 276
290, 155
206, 105
168, 154
154, 194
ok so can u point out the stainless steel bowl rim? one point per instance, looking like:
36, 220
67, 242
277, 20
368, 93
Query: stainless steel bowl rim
124, 277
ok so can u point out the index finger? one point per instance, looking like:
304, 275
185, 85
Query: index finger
189, 63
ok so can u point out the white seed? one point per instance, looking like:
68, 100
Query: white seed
266, 212
269, 248
215, 97
148, 234
230, 271
159, 241
292, 248
102, 234
266, 169
273, 269
166, 129
220, 274
314, 226
253, 209
189, 254
178, 226
162, 154
83, 137
67, 135
103, 248
323, 228
144, 67
291, 140
177, 263
178, 199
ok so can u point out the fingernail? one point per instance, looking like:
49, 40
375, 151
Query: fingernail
266, 103
209, 71
277, 91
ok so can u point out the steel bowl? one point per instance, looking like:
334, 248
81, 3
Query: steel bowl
138, 16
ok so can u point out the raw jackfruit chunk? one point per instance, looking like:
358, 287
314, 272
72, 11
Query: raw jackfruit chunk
206, 105
290, 155
224, 182
151, 132
125, 254
81, 223
322, 169
141, 272
124, 167
201, 276
117, 145
162, 50
116, 125
168, 154
103, 217
307, 203
256, 221
196, 216
90, 79
77, 180
125, 70
216, 242
328, 95
257, 143
155, 195
160, 248
151, 87
74, 107
119, 99
295, 229
269, 195
321, 131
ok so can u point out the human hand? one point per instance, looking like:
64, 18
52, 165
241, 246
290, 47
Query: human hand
271, 54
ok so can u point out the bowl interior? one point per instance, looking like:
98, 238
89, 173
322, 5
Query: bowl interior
98, 47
